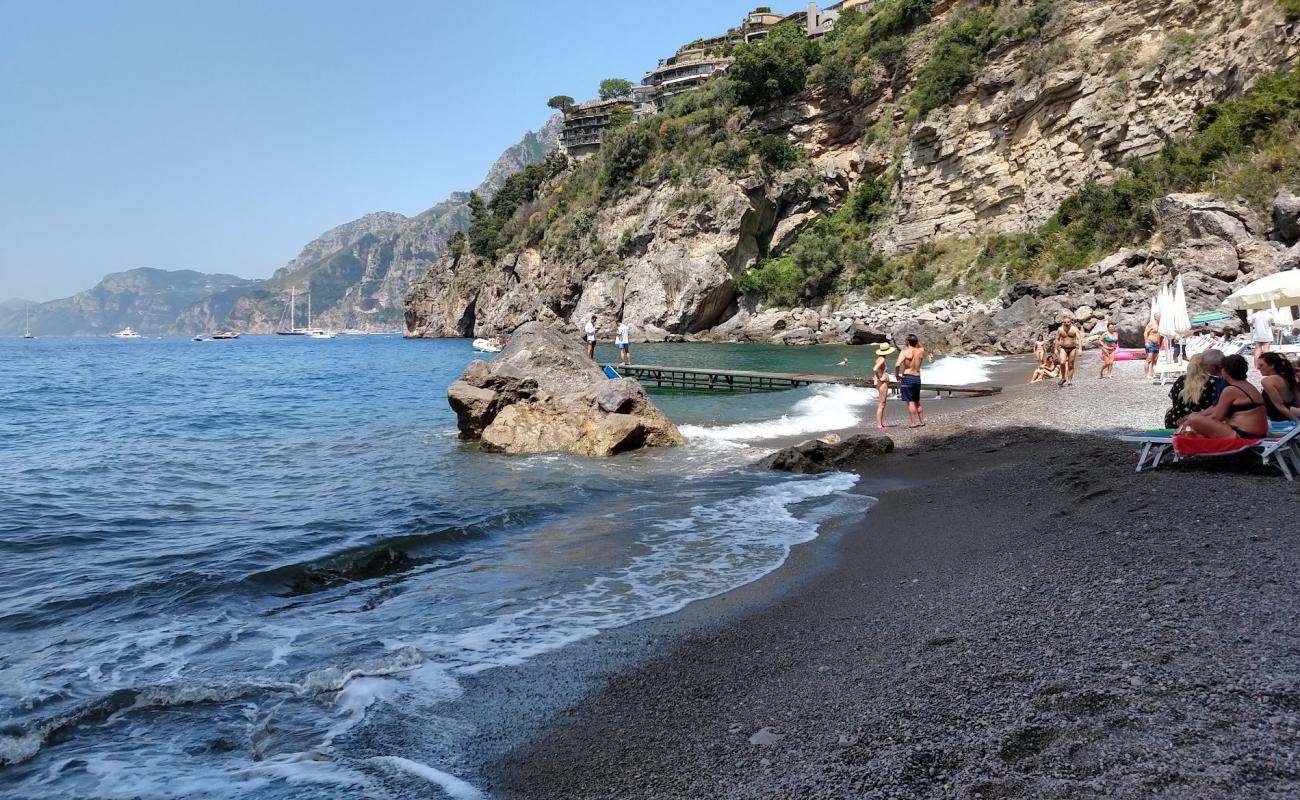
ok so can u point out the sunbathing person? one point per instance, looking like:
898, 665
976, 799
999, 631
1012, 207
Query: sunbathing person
1239, 414
1192, 392
1281, 396
1048, 370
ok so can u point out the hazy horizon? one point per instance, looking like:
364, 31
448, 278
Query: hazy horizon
223, 138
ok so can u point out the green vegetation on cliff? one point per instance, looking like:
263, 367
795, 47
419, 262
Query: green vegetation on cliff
1247, 147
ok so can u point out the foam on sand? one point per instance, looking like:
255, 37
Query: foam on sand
454, 787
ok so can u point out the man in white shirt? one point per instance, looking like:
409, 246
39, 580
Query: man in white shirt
1261, 332
590, 332
624, 355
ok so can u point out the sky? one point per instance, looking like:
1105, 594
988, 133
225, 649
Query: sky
223, 136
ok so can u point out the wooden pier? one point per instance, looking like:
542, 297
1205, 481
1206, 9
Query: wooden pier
746, 381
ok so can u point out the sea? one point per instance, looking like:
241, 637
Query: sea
225, 564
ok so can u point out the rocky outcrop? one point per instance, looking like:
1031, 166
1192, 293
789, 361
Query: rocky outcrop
542, 394
1286, 216
1110, 82
1027, 133
819, 456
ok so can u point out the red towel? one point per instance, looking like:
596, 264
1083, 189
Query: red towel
1200, 446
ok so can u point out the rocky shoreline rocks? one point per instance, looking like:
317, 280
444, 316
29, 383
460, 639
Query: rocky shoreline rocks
542, 394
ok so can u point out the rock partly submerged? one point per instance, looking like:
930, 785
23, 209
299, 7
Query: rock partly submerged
542, 395
823, 455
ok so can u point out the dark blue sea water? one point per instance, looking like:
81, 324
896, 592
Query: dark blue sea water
221, 562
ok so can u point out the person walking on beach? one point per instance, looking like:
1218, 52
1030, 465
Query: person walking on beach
1261, 333
881, 374
1040, 351
908, 371
589, 332
1109, 344
621, 339
1151, 338
1067, 349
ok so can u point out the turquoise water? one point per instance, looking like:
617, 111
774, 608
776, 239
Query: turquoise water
225, 565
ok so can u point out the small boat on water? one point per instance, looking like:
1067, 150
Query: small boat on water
225, 335
487, 345
321, 333
126, 333
200, 338
27, 328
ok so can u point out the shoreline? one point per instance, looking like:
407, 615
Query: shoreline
897, 654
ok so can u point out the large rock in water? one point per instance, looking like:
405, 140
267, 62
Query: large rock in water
542, 394
818, 456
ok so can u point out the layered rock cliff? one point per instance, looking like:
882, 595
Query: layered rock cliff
1059, 98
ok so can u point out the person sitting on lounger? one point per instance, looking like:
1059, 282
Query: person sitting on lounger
1239, 414
1192, 392
1048, 370
1281, 395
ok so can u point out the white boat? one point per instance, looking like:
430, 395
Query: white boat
126, 333
487, 345
200, 338
320, 333
27, 328
225, 335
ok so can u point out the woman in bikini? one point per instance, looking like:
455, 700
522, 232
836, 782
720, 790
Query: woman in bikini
1281, 394
881, 375
1109, 344
1239, 414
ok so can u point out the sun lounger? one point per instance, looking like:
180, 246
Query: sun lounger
1281, 448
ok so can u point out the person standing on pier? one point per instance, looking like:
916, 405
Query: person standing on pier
589, 332
908, 371
621, 339
882, 381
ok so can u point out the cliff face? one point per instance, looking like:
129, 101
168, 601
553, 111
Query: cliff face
1132, 77
1041, 119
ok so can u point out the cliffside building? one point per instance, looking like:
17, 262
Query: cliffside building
585, 125
684, 71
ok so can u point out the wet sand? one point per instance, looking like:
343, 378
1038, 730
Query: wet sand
1019, 616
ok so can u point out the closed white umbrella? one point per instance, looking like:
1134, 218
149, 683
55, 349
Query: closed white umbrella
1280, 288
1168, 314
1181, 321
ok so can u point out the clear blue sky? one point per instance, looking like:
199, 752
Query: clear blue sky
222, 136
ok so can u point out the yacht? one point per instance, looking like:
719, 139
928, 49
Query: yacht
27, 328
126, 333
316, 333
200, 338
225, 335
492, 345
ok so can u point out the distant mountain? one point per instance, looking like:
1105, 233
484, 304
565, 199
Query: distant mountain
360, 272
148, 300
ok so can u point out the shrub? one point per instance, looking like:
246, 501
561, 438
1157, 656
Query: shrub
862, 41
776, 151
773, 69
952, 63
776, 280
623, 153
1291, 9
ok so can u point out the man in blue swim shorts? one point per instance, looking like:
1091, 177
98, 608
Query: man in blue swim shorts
1151, 336
908, 371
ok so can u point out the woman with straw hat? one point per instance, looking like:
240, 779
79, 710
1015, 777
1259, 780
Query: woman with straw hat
883, 351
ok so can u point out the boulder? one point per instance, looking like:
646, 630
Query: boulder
1213, 257
1180, 217
861, 334
818, 456
1286, 215
542, 394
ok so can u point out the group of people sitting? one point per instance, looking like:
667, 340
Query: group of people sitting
1216, 401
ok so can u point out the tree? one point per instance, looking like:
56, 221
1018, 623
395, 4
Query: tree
560, 102
620, 117
612, 88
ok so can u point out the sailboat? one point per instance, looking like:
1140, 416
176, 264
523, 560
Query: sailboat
27, 328
293, 330
316, 333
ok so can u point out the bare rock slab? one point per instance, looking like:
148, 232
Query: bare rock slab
543, 395
817, 457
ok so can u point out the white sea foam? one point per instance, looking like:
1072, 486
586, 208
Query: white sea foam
836, 407
828, 408
720, 546
454, 787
